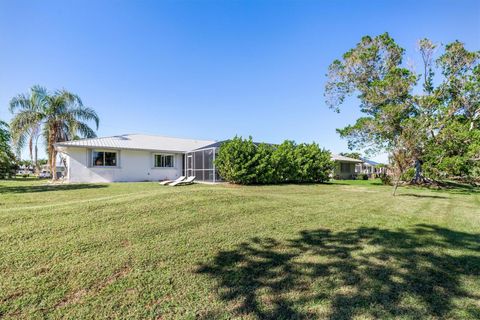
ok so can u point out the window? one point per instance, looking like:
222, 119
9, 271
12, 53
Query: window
164, 161
104, 158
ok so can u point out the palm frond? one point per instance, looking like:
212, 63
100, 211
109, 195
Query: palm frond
87, 114
21, 101
84, 130
19, 140
68, 98
3, 125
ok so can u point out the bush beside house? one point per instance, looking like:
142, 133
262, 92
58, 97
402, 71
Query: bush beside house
244, 162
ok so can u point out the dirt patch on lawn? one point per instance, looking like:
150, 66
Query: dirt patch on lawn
78, 295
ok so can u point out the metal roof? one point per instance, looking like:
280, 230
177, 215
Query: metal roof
218, 144
370, 162
337, 157
139, 142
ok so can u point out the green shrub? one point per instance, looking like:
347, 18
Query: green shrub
362, 176
312, 164
264, 171
8, 162
385, 178
241, 161
283, 159
236, 161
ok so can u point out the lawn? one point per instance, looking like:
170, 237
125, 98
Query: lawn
336, 251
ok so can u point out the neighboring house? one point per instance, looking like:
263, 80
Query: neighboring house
45, 170
140, 157
369, 167
344, 167
25, 170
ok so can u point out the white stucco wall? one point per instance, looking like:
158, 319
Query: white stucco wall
132, 166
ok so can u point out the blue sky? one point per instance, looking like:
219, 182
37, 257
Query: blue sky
210, 69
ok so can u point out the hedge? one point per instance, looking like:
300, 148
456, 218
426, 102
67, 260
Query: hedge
242, 161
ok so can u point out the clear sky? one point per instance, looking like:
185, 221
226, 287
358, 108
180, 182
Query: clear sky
210, 69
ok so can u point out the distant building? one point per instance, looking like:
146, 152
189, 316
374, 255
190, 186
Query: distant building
344, 167
45, 171
369, 167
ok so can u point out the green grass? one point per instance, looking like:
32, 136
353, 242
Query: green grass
346, 250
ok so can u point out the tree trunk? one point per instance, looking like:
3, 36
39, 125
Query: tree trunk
396, 184
418, 172
52, 154
37, 167
53, 165
30, 148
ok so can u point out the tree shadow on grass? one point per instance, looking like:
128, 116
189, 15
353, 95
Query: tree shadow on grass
461, 188
364, 272
419, 195
450, 187
53, 187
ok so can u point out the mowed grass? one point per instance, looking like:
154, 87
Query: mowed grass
336, 251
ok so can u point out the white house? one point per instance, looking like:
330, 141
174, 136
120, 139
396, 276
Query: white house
140, 157
129, 157
344, 166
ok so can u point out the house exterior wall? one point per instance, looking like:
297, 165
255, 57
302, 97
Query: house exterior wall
131, 166
347, 172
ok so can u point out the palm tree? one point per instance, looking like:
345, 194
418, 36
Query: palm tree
64, 121
26, 125
61, 116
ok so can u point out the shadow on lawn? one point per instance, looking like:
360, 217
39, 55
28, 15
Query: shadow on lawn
419, 195
370, 272
461, 188
53, 187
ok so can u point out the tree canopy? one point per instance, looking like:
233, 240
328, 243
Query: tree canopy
58, 116
430, 117
7, 157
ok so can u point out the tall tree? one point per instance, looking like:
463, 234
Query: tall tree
65, 120
24, 132
373, 70
413, 128
61, 117
455, 147
353, 155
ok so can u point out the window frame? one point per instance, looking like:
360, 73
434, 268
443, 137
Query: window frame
163, 155
105, 151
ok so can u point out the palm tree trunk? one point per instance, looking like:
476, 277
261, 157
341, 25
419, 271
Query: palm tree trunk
52, 154
54, 165
30, 148
37, 167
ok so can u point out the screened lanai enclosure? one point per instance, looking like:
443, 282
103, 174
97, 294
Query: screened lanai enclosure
200, 163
